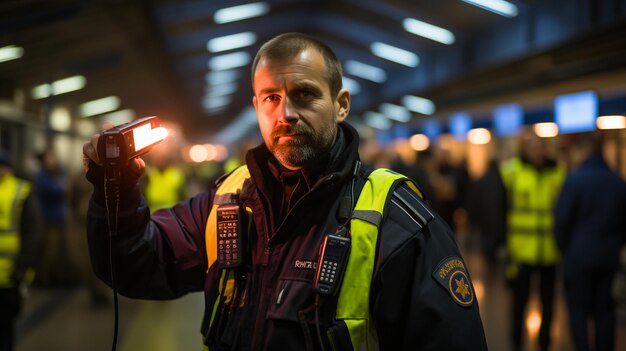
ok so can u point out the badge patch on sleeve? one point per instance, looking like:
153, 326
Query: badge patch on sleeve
453, 277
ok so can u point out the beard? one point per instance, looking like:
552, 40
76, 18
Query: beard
304, 149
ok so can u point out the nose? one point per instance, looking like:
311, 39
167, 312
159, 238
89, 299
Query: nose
290, 113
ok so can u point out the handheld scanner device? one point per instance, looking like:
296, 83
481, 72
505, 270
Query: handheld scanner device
122, 143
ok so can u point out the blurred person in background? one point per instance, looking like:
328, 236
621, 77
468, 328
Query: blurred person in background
20, 227
449, 185
51, 186
414, 166
590, 229
531, 184
488, 211
165, 182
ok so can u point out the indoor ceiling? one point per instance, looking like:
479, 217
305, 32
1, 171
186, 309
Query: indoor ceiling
153, 55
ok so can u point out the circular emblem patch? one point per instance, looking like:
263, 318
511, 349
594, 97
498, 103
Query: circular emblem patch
460, 289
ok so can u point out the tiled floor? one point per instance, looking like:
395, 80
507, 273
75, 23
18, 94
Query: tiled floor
63, 319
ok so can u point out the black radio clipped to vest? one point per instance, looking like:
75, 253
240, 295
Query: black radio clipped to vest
331, 264
230, 249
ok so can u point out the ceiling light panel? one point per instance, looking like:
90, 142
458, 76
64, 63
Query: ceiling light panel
395, 112
229, 61
394, 54
99, 106
221, 77
11, 52
60, 86
230, 42
351, 85
241, 12
500, 7
418, 104
377, 120
428, 31
365, 71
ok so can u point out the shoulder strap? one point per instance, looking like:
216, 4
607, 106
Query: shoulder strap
226, 190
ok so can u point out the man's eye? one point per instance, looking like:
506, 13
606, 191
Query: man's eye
272, 98
304, 95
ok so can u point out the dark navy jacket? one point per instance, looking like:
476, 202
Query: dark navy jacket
412, 303
590, 217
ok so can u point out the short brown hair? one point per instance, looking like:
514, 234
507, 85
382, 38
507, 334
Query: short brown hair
288, 45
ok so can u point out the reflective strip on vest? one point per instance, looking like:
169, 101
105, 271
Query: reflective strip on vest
531, 195
13, 193
225, 192
354, 294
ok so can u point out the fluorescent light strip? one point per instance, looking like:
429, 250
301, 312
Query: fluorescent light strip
500, 7
418, 104
61, 86
428, 31
377, 120
394, 54
222, 89
395, 112
230, 42
99, 106
11, 52
214, 102
119, 117
221, 77
241, 12
229, 61
365, 71
351, 85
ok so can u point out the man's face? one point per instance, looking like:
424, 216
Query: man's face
297, 115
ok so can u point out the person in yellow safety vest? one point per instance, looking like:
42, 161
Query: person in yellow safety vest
165, 184
20, 227
531, 185
270, 242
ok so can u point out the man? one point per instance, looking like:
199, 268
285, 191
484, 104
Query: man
590, 229
405, 285
20, 225
531, 185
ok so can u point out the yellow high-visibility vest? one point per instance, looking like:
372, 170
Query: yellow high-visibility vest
353, 303
532, 194
13, 193
164, 188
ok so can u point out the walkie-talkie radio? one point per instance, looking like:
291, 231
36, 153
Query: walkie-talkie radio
331, 264
229, 237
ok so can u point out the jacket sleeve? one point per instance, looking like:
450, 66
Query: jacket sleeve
422, 295
564, 213
153, 257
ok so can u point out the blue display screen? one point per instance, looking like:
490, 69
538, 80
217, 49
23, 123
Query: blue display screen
460, 123
507, 119
576, 112
431, 128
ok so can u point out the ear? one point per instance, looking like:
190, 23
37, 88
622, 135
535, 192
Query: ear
342, 105
254, 103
